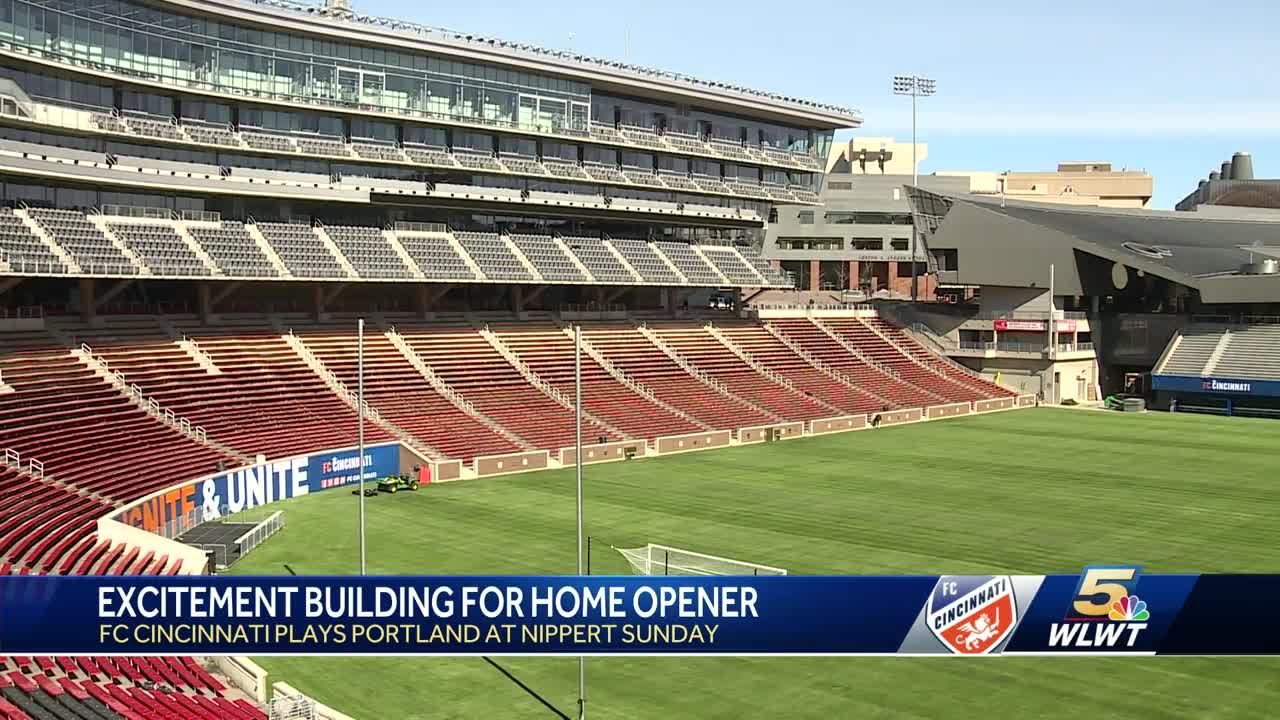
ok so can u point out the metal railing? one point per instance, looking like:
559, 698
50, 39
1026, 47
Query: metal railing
331, 378
270, 526
1030, 315
1075, 347
593, 307
1010, 347
22, 312
1238, 319
438, 383
27, 266
292, 707
942, 342
150, 404
815, 306
135, 211
419, 227
13, 459
210, 216
220, 552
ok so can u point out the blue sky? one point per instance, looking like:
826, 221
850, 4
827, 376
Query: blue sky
1169, 86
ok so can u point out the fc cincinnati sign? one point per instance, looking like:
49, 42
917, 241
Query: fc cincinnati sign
1225, 385
972, 615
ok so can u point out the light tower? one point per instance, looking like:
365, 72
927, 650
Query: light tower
916, 87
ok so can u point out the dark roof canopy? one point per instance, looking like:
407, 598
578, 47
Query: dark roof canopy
1011, 239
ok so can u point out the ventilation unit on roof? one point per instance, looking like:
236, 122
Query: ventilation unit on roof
1241, 166
1267, 266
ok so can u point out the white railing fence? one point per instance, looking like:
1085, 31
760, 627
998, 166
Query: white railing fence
260, 532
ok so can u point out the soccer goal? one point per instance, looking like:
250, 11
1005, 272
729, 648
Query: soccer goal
663, 560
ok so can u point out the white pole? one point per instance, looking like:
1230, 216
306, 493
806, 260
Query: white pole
577, 445
1053, 338
914, 167
915, 181
360, 448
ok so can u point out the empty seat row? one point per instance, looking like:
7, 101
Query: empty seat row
730, 264
22, 249
233, 250
160, 247
435, 256
1251, 352
369, 252
597, 258
551, 262
92, 250
695, 269
301, 250
494, 258
640, 255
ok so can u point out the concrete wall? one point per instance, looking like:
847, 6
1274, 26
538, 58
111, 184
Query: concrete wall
996, 404
603, 452
997, 299
511, 463
761, 433
21, 324
410, 459
692, 441
246, 675
838, 424
323, 712
899, 162
446, 470
893, 417
941, 411
1034, 375
1076, 377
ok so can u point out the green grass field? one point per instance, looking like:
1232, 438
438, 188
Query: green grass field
1034, 491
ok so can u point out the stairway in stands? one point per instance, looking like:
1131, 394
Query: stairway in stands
400, 393
870, 372
971, 386
708, 354
550, 354
634, 354
462, 358
754, 339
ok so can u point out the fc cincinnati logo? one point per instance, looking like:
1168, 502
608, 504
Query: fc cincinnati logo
972, 615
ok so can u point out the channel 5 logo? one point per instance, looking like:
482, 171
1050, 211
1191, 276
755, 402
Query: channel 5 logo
1106, 592
1105, 612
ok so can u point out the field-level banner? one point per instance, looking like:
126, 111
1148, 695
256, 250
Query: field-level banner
244, 488
1108, 609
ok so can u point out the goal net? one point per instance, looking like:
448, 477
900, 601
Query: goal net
663, 560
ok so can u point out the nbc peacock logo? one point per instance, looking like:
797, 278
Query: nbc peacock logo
1130, 608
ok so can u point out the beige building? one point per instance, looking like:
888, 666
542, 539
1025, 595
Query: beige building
1072, 183
874, 156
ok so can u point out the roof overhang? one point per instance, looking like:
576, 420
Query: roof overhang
1012, 244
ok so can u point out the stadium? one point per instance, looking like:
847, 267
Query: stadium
254, 253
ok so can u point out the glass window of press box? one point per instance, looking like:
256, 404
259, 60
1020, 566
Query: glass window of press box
136, 40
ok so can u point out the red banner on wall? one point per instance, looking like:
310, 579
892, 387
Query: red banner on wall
1020, 325
1064, 326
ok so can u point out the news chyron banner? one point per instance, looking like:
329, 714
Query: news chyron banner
1107, 609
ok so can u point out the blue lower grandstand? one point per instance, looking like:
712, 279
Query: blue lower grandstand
1232, 369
